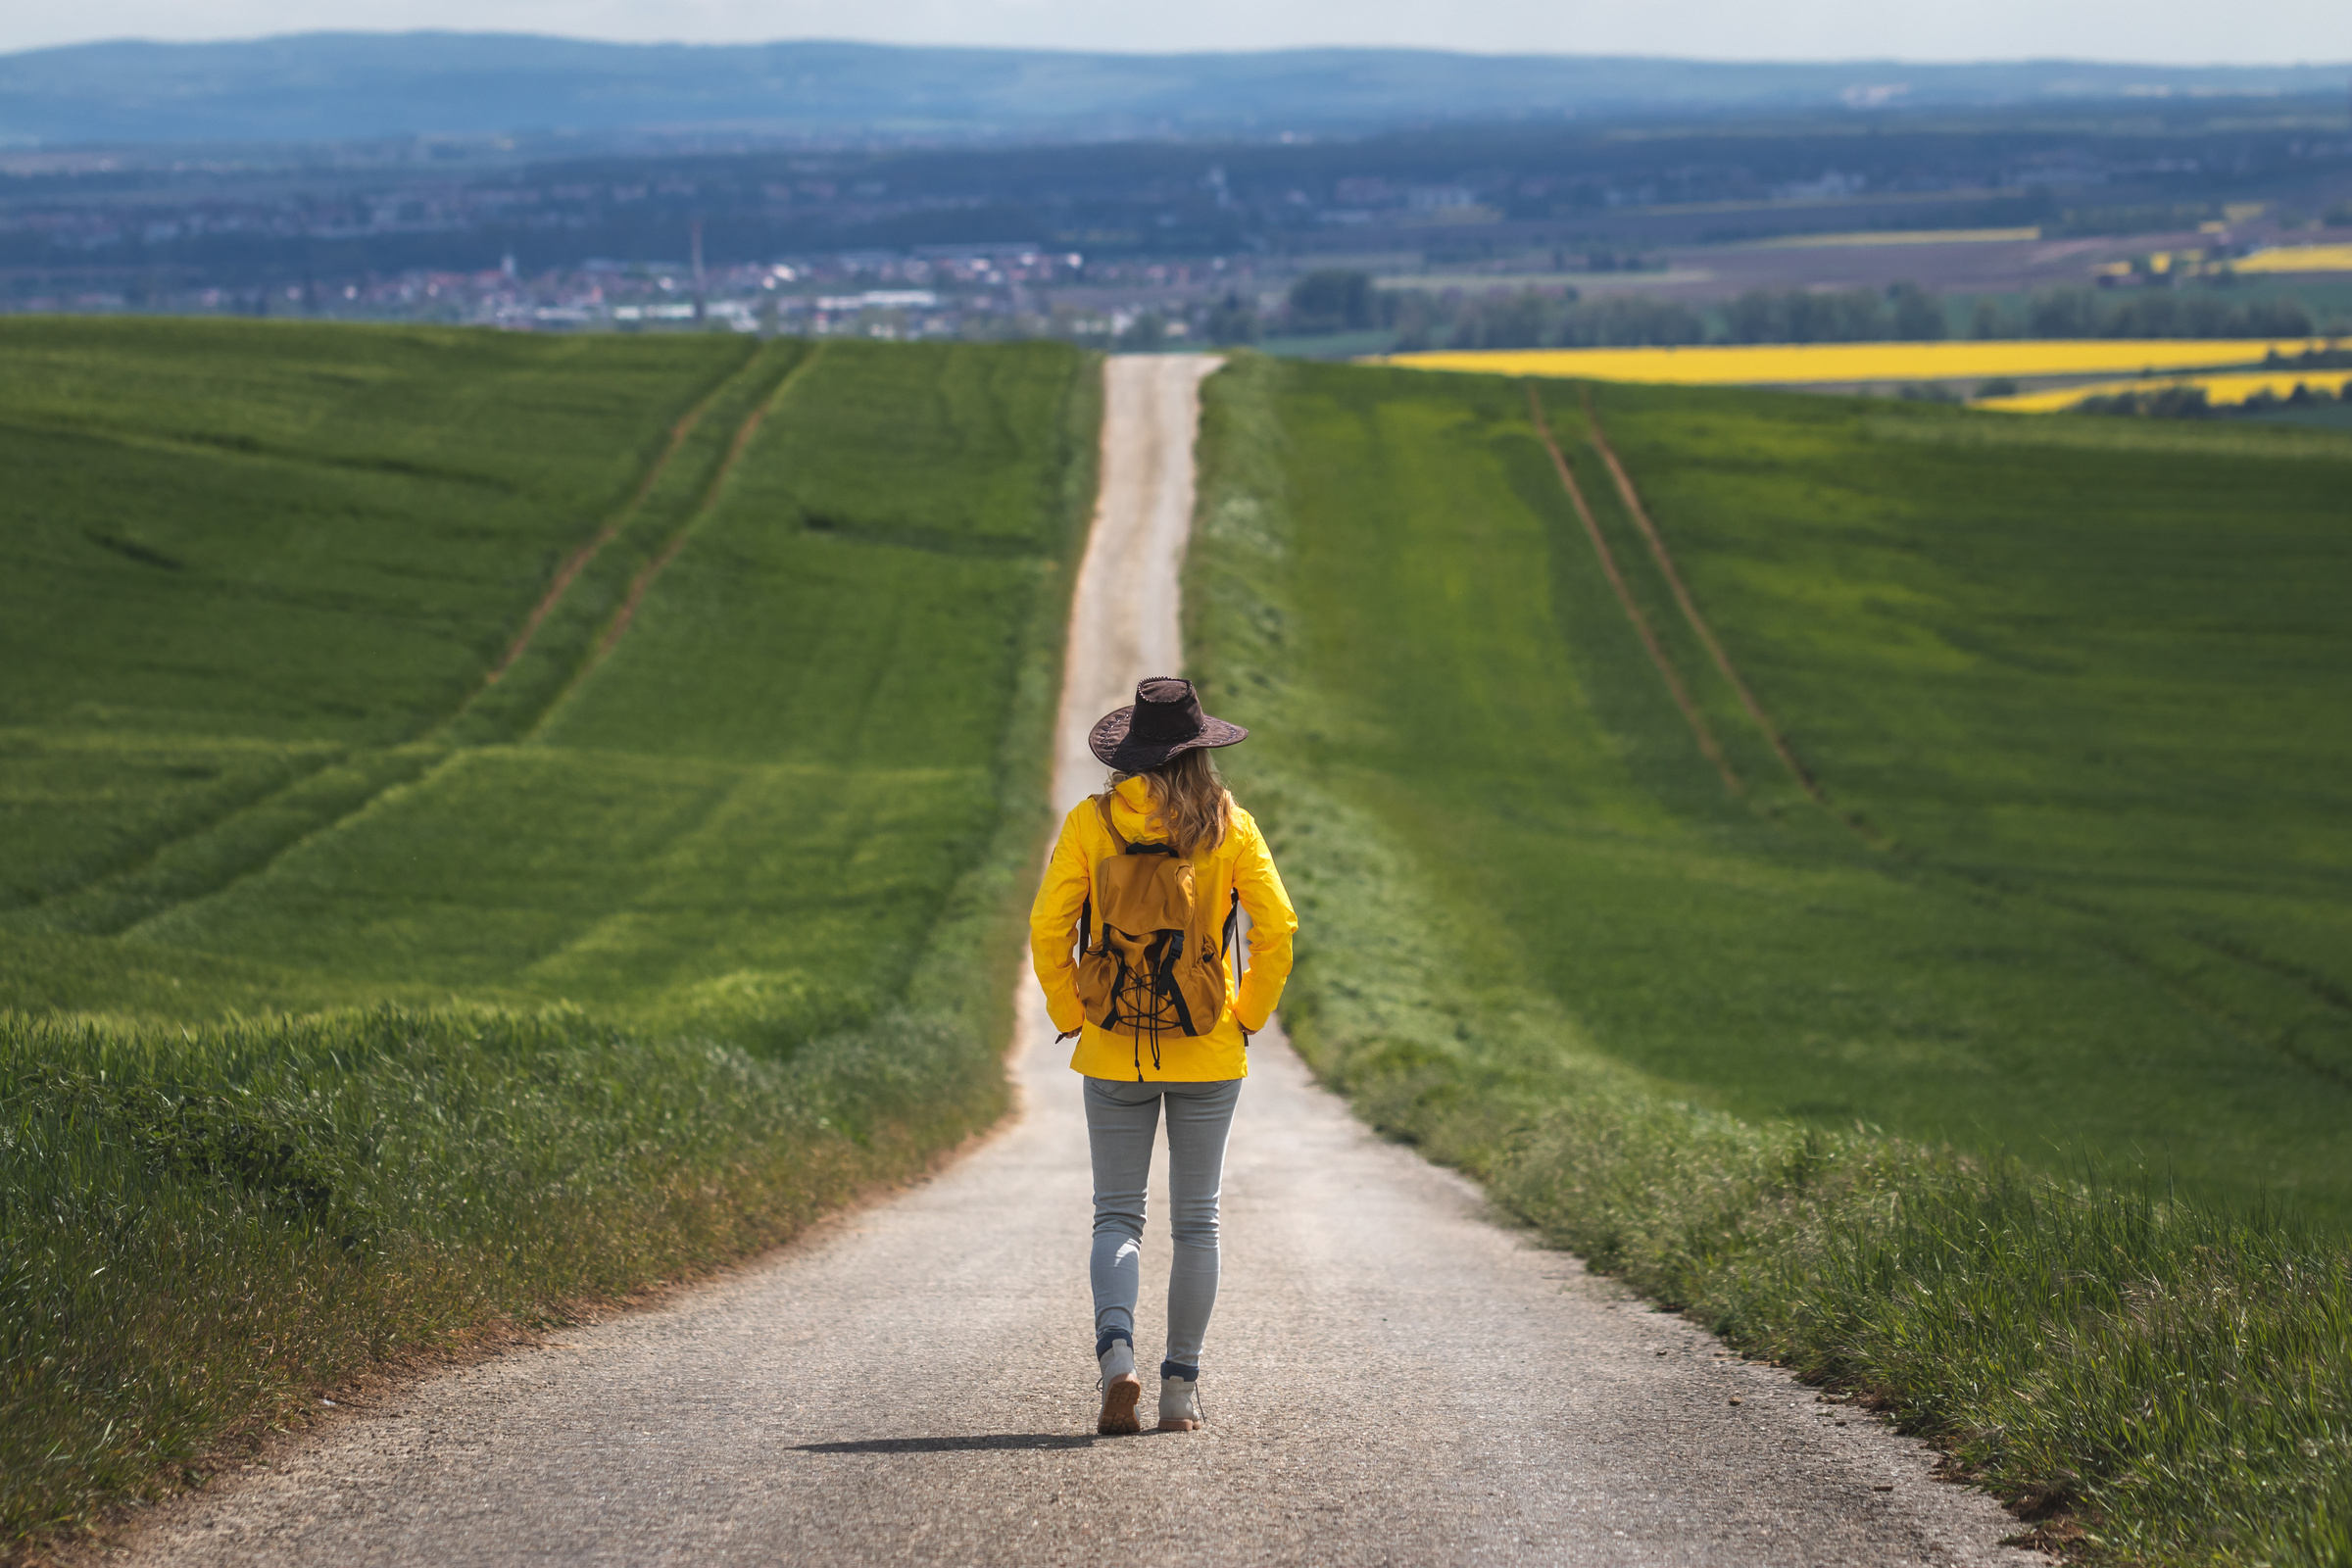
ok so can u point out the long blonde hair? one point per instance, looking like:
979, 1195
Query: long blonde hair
1190, 803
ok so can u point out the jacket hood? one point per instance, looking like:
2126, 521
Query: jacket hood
1131, 815
1131, 811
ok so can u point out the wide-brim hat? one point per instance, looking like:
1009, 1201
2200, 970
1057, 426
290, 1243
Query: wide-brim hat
1164, 720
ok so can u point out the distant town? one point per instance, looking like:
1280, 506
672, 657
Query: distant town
1174, 243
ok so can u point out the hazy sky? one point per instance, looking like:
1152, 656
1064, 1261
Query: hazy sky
2171, 32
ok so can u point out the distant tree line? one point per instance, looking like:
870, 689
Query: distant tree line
1532, 321
1336, 301
2145, 218
2086, 313
2187, 402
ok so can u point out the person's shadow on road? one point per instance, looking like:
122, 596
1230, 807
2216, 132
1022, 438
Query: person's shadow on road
1014, 1440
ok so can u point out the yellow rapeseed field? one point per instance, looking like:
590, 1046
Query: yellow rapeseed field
2298, 259
1799, 364
2221, 391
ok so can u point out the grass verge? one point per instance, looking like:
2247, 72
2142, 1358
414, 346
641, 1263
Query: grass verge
206, 1225
2145, 1376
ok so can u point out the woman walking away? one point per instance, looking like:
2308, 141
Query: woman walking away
1133, 936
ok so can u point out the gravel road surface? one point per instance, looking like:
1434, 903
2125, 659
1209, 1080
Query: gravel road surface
1391, 1378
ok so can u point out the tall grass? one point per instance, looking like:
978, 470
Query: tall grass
203, 1225
2147, 1378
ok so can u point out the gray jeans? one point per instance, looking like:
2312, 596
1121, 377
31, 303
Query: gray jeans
1121, 1119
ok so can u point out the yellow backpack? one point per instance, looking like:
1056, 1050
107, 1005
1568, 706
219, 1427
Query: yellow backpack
1158, 965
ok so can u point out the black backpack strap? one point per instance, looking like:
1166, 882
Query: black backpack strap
1171, 948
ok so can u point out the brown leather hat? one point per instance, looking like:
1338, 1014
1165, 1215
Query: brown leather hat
1164, 720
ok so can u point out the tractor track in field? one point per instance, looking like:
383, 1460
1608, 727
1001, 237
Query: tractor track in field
705, 504
1698, 622
2110, 940
1697, 720
1391, 1378
578, 562
447, 752
148, 859
430, 752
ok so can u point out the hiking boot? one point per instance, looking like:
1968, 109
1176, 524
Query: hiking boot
1180, 1398
1121, 1389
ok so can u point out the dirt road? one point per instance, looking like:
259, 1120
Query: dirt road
1391, 1379
1123, 624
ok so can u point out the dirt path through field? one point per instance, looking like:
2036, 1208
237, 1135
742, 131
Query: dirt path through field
1123, 623
1391, 1378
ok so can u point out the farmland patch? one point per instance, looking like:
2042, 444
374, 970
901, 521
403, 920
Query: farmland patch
2053, 710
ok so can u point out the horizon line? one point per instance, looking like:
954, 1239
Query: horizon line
1182, 54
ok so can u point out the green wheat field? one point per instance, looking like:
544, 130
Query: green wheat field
1968, 1034
491, 822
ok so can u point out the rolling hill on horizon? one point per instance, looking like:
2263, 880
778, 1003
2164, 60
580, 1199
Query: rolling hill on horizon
327, 87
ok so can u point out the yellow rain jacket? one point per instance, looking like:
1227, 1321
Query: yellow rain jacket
1241, 863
